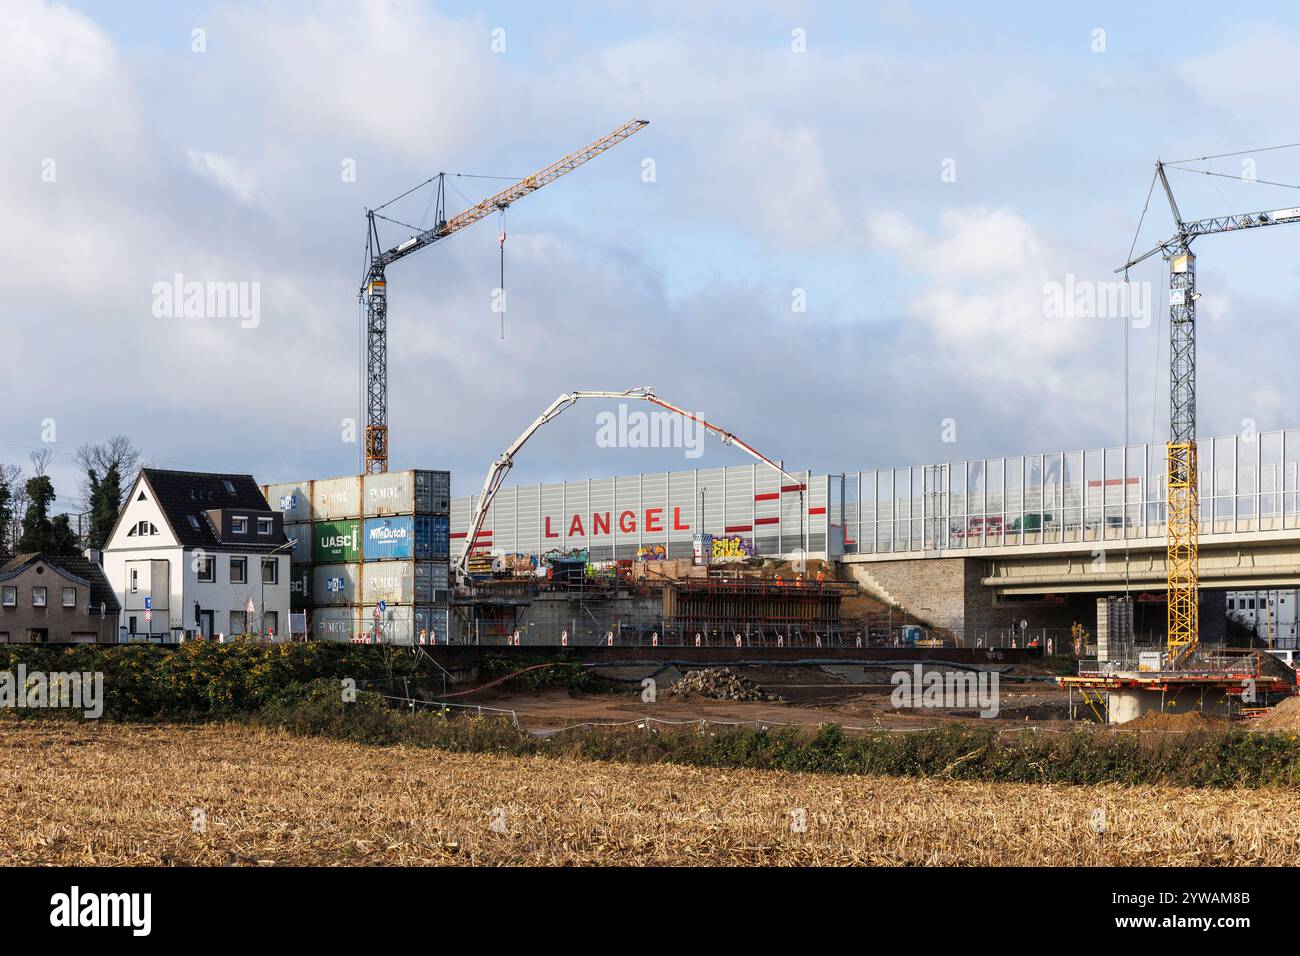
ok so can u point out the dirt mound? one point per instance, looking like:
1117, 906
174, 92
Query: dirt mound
1285, 716
1188, 720
720, 684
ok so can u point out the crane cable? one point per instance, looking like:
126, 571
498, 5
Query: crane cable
501, 240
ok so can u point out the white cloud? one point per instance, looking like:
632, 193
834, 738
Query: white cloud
224, 173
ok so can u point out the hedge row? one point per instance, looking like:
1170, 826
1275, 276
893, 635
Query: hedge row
199, 679
1204, 758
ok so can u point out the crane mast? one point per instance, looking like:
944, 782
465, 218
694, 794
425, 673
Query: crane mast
374, 288
1182, 501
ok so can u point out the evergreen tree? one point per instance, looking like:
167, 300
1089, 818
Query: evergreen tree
6, 519
40, 532
104, 498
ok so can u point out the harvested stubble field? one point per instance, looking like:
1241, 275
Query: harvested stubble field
110, 794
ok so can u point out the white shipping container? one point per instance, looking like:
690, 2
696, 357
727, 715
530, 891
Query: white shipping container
407, 492
404, 625
292, 498
334, 499
336, 623
394, 625
334, 585
402, 582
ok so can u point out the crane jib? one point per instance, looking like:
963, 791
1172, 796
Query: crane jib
374, 288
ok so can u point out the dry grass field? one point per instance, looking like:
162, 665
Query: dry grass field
129, 794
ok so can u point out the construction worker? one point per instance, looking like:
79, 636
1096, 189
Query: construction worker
821, 576
798, 580
779, 582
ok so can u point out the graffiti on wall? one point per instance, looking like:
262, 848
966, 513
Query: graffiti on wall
733, 548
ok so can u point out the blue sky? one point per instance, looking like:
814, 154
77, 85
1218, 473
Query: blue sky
776, 170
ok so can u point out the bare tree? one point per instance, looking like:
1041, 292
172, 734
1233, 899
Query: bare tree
40, 461
116, 452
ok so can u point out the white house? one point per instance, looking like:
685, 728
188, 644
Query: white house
198, 553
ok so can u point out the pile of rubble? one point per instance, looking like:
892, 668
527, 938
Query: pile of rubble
720, 684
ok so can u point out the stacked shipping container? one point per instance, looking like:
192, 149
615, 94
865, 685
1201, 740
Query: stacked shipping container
370, 560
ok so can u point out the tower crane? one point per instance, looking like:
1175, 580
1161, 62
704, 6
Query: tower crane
500, 468
1182, 509
374, 288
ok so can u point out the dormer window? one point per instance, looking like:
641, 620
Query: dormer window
265, 525
238, 525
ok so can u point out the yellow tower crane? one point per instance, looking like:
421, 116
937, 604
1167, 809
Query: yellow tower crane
1181, 492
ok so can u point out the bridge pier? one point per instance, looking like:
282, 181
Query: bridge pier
965, 596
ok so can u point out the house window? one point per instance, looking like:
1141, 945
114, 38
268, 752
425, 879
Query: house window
238, 623
239, 525
208, 569
135, 580
239, 571
10, 597
142, 528
194, 522
230, 488
39, 597
270, 571
265, 525
69, 597
270, 623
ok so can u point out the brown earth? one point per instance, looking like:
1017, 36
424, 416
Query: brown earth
1285, 716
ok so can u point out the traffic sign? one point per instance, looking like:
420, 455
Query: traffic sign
148, 604
383, 606
148, 616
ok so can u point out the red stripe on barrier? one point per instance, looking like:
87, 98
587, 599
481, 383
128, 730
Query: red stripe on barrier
794, 487
733, 529
816, 511
767, 520
770, 496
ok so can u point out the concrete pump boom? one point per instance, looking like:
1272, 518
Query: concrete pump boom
499, 468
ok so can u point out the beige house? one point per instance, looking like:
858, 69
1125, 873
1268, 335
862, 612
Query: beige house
56, 599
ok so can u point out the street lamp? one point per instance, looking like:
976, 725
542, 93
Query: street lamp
261, 615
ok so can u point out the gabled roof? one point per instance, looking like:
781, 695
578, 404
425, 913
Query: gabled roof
75, 566
181, 495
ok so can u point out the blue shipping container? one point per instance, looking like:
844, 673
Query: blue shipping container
422, 537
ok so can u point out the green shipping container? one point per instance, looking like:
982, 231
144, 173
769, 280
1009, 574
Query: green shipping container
336, 541
299, 586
